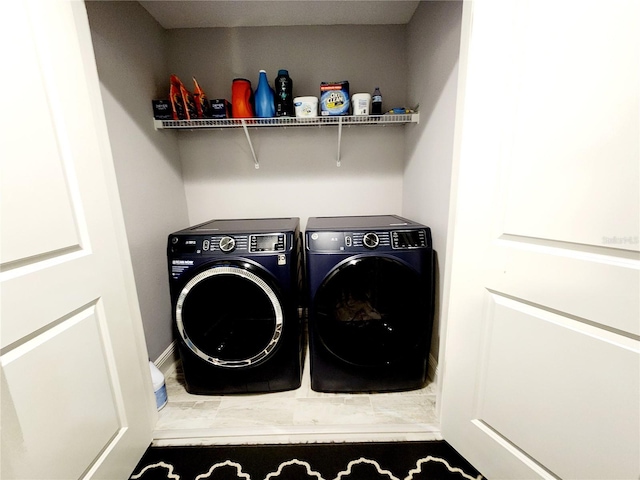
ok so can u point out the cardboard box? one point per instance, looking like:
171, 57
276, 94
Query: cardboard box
162, 109
220, 108
334, 98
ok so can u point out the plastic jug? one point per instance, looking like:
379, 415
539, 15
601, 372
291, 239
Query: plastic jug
159, 387
264, 97
241, 98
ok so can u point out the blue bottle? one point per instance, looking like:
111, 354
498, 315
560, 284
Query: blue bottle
264, 98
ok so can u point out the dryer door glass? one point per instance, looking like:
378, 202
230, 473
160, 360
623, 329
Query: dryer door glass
229, 317
373, 311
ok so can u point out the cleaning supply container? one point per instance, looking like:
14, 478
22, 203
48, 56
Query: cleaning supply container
376, 102
241, 98
264, 98
334, 98
306, 107
284, 94
361, 104
159, 387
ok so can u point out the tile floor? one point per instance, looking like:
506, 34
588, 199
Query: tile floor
297, 416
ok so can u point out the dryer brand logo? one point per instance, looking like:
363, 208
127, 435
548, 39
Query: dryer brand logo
178, 267
182, 262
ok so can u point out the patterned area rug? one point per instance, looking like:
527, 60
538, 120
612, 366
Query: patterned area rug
435, 460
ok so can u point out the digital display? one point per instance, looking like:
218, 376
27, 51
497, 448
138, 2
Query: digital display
408, 239
267, 243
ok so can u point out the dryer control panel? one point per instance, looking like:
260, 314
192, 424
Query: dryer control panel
325, 241
403, 239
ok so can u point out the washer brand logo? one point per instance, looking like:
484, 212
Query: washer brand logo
182, 262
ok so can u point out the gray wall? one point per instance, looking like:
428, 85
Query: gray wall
298, 174
169, 179
433, 47
130, 50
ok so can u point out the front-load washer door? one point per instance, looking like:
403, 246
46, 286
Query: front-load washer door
372, 311
230, 316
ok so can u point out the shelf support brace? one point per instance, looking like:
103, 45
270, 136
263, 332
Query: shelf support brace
253, 152
339, 141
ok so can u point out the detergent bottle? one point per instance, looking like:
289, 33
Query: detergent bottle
241, 98
264, 98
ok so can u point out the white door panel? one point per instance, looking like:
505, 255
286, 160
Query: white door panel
569, 381
576, 126
594, 287
542, 353
77, 400
86, 417
37, 278
39, 186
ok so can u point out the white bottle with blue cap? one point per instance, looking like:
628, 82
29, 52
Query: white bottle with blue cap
159, 387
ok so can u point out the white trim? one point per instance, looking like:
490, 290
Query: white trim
168, 359
297, 434
432, 371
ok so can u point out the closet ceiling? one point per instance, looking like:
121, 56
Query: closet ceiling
252, 13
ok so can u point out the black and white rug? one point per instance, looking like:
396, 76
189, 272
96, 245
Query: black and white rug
434, 460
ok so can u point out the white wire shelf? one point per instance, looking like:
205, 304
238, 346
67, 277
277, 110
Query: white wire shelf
288, 121
248, 123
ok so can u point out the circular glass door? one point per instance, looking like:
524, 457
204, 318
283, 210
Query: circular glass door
229, 316
371, 311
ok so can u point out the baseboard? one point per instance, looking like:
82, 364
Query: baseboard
166, 362
432, 369
297, 434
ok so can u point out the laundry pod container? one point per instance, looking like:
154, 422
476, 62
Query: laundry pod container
306, 107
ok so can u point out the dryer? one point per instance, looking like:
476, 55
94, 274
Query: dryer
235, 294
371, 295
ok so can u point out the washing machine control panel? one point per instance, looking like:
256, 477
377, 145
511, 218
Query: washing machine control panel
212, 244
325, 241
223, 243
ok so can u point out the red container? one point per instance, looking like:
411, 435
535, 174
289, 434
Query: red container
242, 98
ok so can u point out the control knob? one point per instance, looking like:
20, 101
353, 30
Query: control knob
227, 244
370, 240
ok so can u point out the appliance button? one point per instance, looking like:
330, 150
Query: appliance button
370, 240
227, 244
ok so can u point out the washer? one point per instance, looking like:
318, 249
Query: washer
371, 294
235, 292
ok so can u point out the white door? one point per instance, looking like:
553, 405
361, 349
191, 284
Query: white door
77, 400
542, 365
